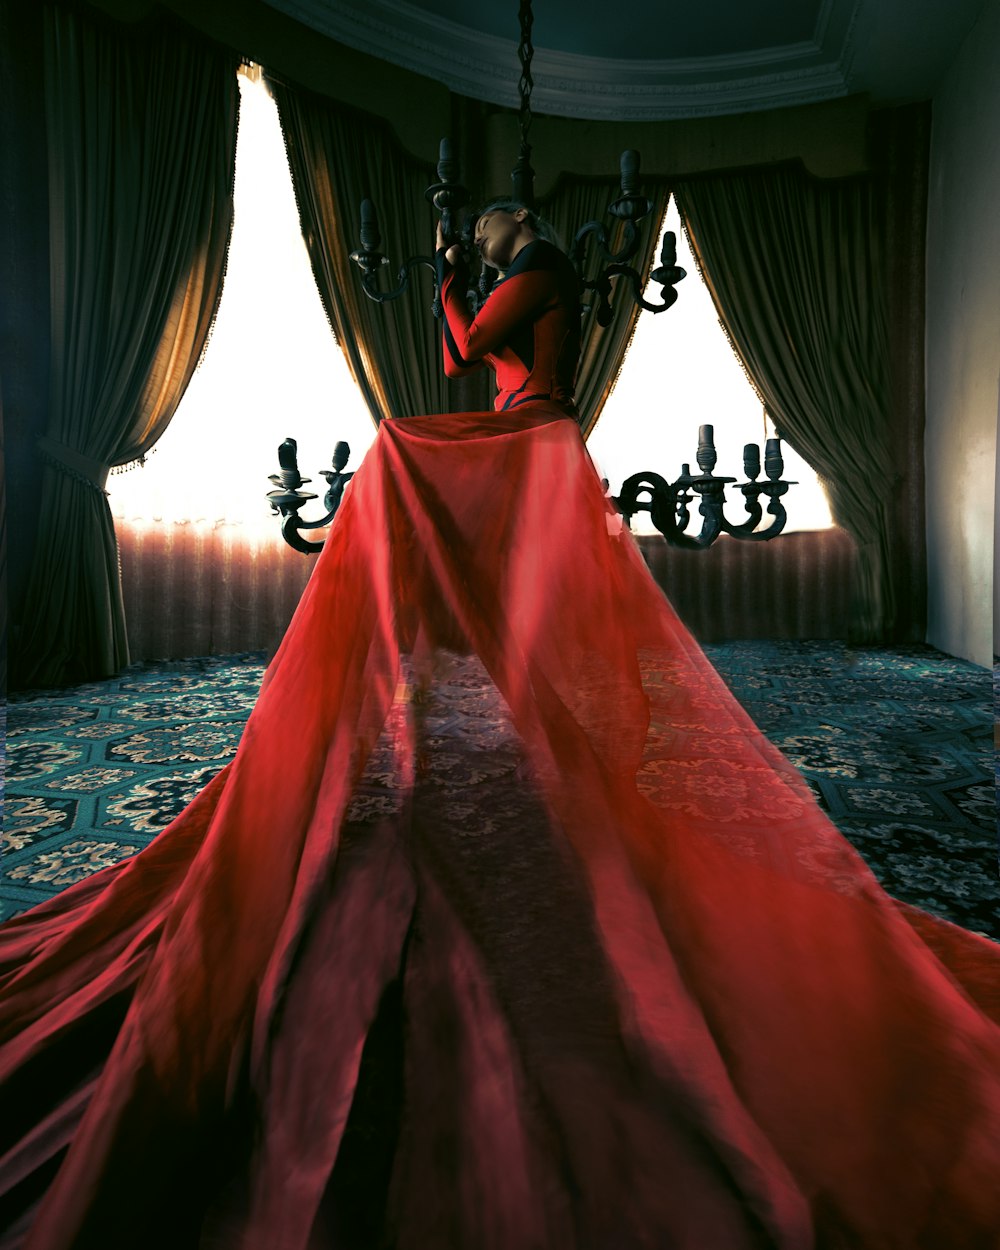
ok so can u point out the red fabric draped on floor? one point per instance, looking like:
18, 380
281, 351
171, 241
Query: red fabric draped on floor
504, 929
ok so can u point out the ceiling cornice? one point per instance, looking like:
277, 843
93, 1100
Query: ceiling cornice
485, 67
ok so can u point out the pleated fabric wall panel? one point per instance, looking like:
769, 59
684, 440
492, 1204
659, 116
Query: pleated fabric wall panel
206, 592
210, 592
795, 586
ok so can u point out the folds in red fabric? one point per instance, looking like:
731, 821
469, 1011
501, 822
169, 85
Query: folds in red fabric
506, 928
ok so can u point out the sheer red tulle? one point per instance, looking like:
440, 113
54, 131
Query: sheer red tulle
505, 929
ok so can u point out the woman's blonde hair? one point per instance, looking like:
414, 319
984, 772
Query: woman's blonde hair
542, 228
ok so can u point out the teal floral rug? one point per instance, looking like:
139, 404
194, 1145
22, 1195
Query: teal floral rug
897, 745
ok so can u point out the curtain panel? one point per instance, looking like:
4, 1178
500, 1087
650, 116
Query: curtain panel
796, 269
338, 157
141, 129
900, 153
574, 202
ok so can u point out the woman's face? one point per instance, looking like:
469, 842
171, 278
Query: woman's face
500, 235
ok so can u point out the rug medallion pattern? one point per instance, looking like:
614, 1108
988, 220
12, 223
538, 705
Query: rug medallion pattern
897, 745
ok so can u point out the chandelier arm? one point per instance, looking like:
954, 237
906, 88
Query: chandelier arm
369, 282
634, 279
712, 501
580, 239
292, 523
601, 286
665, 500
628, 502
599, 233
776, 510
290, 526
747, 526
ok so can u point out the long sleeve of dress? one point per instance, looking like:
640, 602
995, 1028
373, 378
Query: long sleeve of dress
452, 282
471, 340
528, 330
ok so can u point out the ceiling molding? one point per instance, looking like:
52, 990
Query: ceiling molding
485, 67
849, 48
873, 47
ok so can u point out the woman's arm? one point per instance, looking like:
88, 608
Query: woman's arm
452, 272
518, 298
452, 281
468, 340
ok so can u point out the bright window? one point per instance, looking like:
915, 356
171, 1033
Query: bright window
272, 368
681, 373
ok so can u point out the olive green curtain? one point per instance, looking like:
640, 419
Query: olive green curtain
573, 202
795, 268
4, 622
339, 157
142, 136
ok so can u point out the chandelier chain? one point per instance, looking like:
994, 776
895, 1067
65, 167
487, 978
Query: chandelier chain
525, 51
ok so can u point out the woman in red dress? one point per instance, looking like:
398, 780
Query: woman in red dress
506, 928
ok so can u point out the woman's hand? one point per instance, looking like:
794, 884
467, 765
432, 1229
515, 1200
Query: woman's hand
454, 253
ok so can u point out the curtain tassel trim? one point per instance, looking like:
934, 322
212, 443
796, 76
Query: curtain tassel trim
139, 462
74, 464
721, 320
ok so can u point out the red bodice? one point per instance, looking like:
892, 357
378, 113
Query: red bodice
528, 330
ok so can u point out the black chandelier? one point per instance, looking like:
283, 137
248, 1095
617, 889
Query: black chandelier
449, 197
667, 502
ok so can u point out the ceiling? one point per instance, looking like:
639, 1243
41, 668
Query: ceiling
661, 59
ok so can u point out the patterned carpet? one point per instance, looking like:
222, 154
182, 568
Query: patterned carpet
896, 744
996, 742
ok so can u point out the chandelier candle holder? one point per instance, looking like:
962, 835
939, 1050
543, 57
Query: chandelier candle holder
288, 498
449, 196
630, 208
668, 503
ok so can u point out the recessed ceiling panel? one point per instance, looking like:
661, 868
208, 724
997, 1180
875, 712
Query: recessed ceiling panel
645, 28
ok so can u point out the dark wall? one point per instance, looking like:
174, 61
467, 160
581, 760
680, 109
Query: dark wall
24, 281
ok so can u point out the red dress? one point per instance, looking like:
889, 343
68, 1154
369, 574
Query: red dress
530, 941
